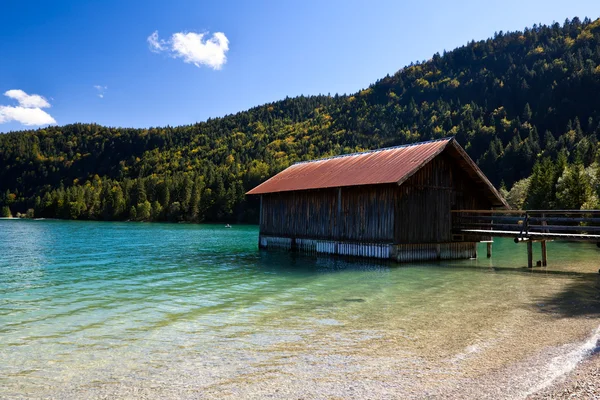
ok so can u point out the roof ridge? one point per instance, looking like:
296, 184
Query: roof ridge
447, 138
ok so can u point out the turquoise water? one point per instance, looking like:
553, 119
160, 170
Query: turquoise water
90, 309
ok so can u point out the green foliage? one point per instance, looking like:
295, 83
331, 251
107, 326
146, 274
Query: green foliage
155, 213
518, 194
521, 103
5, 212
133, 213
143, 211
573, 188
542, 187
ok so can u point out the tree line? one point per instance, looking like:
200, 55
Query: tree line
523, 104
557, 185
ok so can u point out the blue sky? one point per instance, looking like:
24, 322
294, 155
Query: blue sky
92, 61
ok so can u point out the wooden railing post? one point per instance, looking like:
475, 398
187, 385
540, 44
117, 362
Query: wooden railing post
543, 243
529, 254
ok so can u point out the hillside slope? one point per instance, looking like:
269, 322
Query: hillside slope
521, 103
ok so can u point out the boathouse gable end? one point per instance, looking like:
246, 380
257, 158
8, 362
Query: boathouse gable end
391, 203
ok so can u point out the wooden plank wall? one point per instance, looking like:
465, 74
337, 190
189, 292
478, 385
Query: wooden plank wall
423, 208
426, 199
305, 214
368, 213
418, 211
468, 196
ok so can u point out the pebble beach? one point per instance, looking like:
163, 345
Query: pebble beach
581, 383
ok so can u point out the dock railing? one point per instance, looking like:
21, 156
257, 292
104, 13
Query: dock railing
529, 226
575, 225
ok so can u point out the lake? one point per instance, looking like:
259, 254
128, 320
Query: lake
129, 310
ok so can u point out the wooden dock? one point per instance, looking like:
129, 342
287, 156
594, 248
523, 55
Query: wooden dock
529, 226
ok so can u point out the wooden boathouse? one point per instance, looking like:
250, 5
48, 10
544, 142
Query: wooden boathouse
395, 203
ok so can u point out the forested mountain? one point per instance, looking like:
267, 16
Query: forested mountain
525, 105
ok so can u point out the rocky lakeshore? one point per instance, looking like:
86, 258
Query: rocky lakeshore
581, 383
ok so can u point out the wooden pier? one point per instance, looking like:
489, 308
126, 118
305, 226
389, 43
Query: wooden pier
529, 226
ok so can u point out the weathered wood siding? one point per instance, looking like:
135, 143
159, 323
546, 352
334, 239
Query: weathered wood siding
368, 213
363, 213
305, 214
426, 199
418, 211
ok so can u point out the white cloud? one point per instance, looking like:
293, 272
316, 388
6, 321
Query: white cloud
193, 48
27, 100
26, 116
156, 45
101, 90
29, 111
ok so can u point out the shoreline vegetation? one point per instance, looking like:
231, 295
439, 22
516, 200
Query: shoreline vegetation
6, 213
523, 104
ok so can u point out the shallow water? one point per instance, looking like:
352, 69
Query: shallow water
90, 309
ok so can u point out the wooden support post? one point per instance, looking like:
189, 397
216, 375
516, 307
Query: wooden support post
529, 254
544, 254
543, 243
489, 249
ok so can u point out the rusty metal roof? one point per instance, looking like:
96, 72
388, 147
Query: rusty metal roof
390, 165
